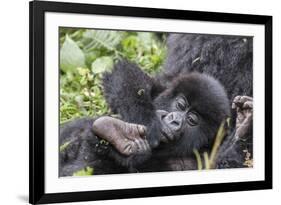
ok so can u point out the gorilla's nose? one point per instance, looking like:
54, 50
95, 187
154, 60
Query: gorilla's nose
174, 120
154, 143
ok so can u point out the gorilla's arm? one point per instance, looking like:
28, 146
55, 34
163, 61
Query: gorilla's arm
82, 144
237, 145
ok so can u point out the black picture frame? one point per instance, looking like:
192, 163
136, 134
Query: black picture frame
37, 11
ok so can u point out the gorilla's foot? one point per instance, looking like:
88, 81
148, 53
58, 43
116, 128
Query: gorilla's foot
244, 108
127, 138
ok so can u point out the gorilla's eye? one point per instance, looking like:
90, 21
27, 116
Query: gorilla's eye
192, 119
181, 103
181, 106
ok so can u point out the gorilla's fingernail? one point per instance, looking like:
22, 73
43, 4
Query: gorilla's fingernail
142, 130
237, 98
247, 105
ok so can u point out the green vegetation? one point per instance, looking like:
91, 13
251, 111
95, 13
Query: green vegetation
87, 171
64, 146
85, 54
210, 159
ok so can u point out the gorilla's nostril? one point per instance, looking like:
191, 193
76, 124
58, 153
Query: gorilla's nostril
161, 114
175, 123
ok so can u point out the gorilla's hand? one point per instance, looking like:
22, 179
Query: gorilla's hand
127, 138
244, 109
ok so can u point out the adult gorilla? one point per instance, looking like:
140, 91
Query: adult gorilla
173, 114
228, 59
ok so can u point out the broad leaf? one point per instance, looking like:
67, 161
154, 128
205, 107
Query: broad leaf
97, 39
71, 56
102, 64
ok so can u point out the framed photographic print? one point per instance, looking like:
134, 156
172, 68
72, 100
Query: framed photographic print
140, 102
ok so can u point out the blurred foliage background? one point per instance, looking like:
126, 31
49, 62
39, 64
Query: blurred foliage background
86, 53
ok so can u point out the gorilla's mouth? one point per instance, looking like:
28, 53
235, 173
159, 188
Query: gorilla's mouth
166, 133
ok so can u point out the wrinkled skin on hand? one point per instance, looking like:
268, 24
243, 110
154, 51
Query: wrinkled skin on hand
244, 109
127, 138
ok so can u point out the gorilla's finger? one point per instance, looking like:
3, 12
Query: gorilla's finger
141, 145
137, 141
248, 104
134, 131
246, 98
236, 103
146, 145
128, 149
142, 130
239, 102
242, 99
236, 99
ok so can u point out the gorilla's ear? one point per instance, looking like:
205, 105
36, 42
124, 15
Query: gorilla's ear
156, 89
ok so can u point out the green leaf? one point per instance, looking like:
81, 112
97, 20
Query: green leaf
64, 146
71, 56
97, 39
102, 64
131, 42
146, 38
87, 171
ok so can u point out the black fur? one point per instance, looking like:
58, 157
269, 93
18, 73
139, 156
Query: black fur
85, 149
136, 96
129, 92
229, 59
205, 94
208, 98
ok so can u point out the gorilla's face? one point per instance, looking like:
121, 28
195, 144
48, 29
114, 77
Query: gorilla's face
177, 118
190, 111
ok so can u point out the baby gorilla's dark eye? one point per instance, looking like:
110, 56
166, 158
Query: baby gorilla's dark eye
181, 104
192, 119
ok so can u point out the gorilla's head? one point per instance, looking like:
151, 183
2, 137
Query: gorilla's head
190, 112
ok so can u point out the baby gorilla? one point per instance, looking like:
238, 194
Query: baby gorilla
190, 112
